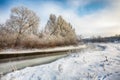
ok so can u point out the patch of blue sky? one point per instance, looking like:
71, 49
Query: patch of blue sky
92, 7
4, 4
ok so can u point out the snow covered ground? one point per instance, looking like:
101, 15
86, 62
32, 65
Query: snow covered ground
97, 62
56, 49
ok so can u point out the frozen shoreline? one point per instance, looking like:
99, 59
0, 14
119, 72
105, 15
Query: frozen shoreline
99, 63
11, 65
56, 49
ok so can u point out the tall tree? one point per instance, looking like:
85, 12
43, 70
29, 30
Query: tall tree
59, 27
22, 20
51, 24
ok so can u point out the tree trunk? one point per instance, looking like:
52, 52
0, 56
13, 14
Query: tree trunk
17, 39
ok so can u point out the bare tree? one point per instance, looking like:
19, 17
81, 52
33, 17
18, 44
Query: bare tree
22, 20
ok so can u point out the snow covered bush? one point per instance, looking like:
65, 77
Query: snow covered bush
7, 38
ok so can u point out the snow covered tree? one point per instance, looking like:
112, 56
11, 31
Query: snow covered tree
60, 28
51, 25
65, 30
23, 20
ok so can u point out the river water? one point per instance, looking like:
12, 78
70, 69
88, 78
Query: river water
16, 65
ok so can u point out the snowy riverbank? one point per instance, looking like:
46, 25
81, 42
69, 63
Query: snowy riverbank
55, 49
101, 62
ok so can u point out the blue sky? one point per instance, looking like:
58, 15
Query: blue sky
92, 6
88, 17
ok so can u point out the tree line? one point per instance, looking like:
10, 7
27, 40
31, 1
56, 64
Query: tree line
21, 30
100, 39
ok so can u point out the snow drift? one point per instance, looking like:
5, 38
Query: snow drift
101, 62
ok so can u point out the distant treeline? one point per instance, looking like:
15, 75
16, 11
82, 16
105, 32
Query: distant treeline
115, 38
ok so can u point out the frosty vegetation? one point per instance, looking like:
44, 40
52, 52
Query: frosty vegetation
21, 30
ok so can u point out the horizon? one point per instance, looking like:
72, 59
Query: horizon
88, 17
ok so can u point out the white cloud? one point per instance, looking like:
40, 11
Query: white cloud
78, 3
98, 23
